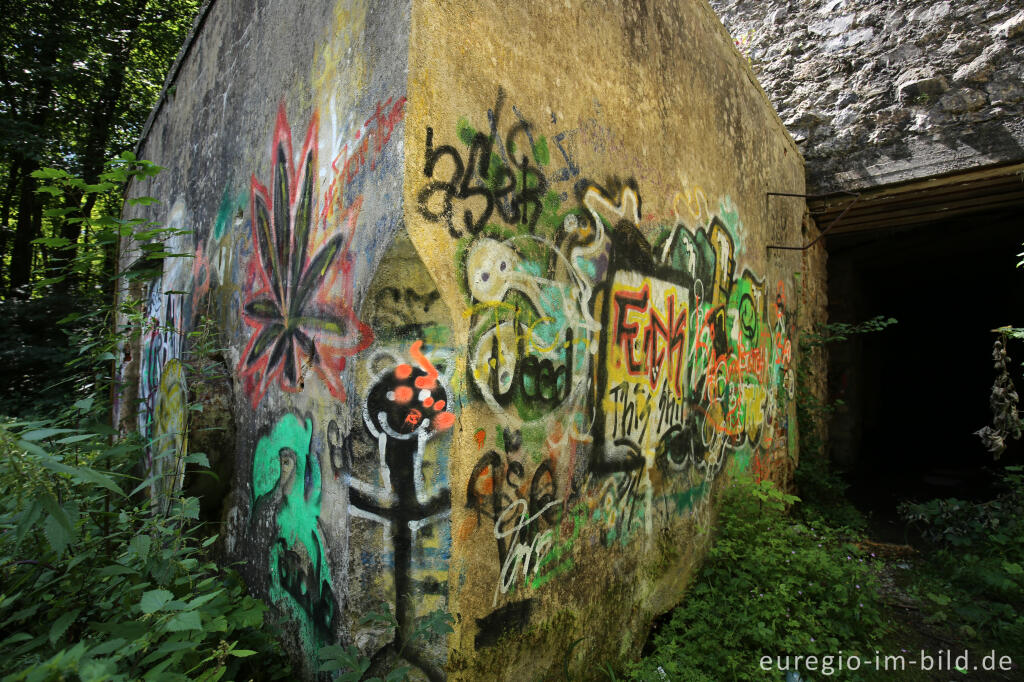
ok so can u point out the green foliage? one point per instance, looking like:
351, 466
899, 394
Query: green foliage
834, 332
72, 94
105, 231
97, 584
68, 339
973, 581
770, 585
823, 489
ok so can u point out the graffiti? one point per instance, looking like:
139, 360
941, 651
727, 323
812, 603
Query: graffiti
403, 303
638, 365
502, 180
215, 274
298, 300
286, 475
161, 343
363, 150
170, 433
399, 309
621, 506
521, 508
405, 407
340, 448
532, 334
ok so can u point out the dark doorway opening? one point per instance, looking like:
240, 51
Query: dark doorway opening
915, 392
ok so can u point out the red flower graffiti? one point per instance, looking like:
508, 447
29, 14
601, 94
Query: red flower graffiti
298, 294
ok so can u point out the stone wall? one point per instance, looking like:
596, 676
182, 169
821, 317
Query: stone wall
498, 312
883, 91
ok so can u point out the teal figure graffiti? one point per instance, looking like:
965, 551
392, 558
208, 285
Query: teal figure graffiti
299, 576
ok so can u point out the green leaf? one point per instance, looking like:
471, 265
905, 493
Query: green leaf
186, 620
29, 519
14, 639
140, 545
49, 173
217, 624
199, 601
39, 434
243, 653
61, 625
130, 630
398, 674
56, 512
109, 646
115, 569
199, 458
75, 439
167, 648
78, 474
212, 675
190, 508
154, 600
56, 534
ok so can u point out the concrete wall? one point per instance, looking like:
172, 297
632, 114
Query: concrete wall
883, 91
498, 314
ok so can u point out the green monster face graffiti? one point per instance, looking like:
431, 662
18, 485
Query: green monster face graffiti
286, 474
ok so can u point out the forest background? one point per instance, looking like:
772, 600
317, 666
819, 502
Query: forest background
78, 79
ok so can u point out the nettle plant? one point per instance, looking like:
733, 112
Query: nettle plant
94, 581
772, 584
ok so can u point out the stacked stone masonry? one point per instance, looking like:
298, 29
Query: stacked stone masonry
883, 91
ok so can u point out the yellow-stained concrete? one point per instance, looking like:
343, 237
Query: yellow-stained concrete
649, 92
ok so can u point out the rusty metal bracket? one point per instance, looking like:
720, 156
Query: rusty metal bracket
779, 247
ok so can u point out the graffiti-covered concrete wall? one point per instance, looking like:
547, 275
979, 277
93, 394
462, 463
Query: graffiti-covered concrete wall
497, 312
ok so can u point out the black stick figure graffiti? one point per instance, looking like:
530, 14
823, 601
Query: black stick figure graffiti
404, 409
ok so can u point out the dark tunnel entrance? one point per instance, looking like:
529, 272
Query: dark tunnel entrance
916, 392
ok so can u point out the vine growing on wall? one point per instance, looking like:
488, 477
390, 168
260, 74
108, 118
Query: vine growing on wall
816, 480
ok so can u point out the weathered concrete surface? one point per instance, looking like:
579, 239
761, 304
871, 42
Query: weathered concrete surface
883, 91
498, 310
649, 92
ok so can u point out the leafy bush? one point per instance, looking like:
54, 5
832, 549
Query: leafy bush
95, 583
98, 585
771, 585
973, 581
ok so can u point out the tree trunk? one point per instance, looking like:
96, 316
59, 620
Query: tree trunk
101, 118
24, 233
5, 214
